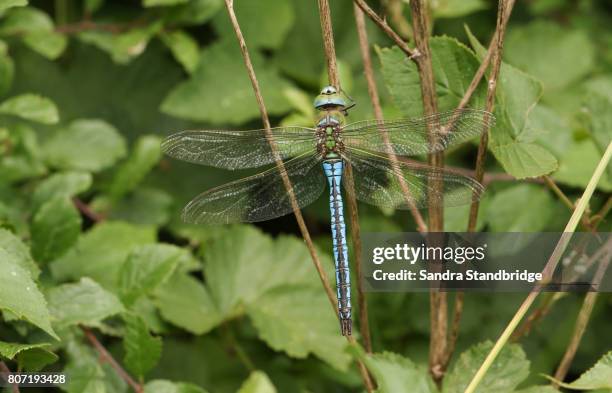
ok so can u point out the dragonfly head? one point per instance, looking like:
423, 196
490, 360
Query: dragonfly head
331, 98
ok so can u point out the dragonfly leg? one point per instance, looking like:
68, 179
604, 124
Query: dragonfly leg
333, 171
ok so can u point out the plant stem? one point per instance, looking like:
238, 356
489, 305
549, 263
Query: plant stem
386, 28
548, 269
437, 299
378, 114
279, 163
107, 357
583, 317
334, 80
494, 53
237, 348
4, 369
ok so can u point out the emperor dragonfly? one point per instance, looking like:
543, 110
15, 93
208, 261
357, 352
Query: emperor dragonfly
313, 155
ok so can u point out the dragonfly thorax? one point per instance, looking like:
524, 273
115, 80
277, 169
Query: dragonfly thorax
329, 137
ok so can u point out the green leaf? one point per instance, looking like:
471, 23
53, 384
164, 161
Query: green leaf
105, 248
36, 28
511, 139
264, 23
511, 214
20, 295
24, 160
142, 350
275, 282
258, 382
64, 184
7, 70
6, 4
597, 377
87, 374
184, 48
144, 157
31, 357
245, 263
88, 145
552, 53
48, 43
146, 268
185, 302
220, 92
397, 374
194, 12
18, 252
454, 66
124, 47
538, 389
456, 8
55, 228
598, 111
25, 20
577, 166
508, 370
84, 302
144, 206
163, 386
10, 350
156, 3
31, 107
298, 320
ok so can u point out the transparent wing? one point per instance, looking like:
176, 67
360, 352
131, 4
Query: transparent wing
411, 136
377, 183
238, 149
259, 197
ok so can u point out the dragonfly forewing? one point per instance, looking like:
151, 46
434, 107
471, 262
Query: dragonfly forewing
410, 137
403, 185
238, 149
259, 197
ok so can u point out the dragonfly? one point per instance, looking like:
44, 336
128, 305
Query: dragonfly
313, 157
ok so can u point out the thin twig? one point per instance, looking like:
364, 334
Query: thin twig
279, 163
105, 356
395, 9
386, 28
503, 15
582, 320
286, 181
586, 219
438, 299
494, 53
237, 348
4, 369
334, 79
378, 114
546, 272
86, 210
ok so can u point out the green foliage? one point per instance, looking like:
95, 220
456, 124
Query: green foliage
507, 372
31, 357
142, 351
20, 295
87, 145
218, 71
55, 228
597, 377
31, 107
258, 382
89, 208
395, 373
85, 302
105, 248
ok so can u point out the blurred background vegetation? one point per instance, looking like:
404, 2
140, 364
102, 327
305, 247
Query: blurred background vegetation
90, 235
